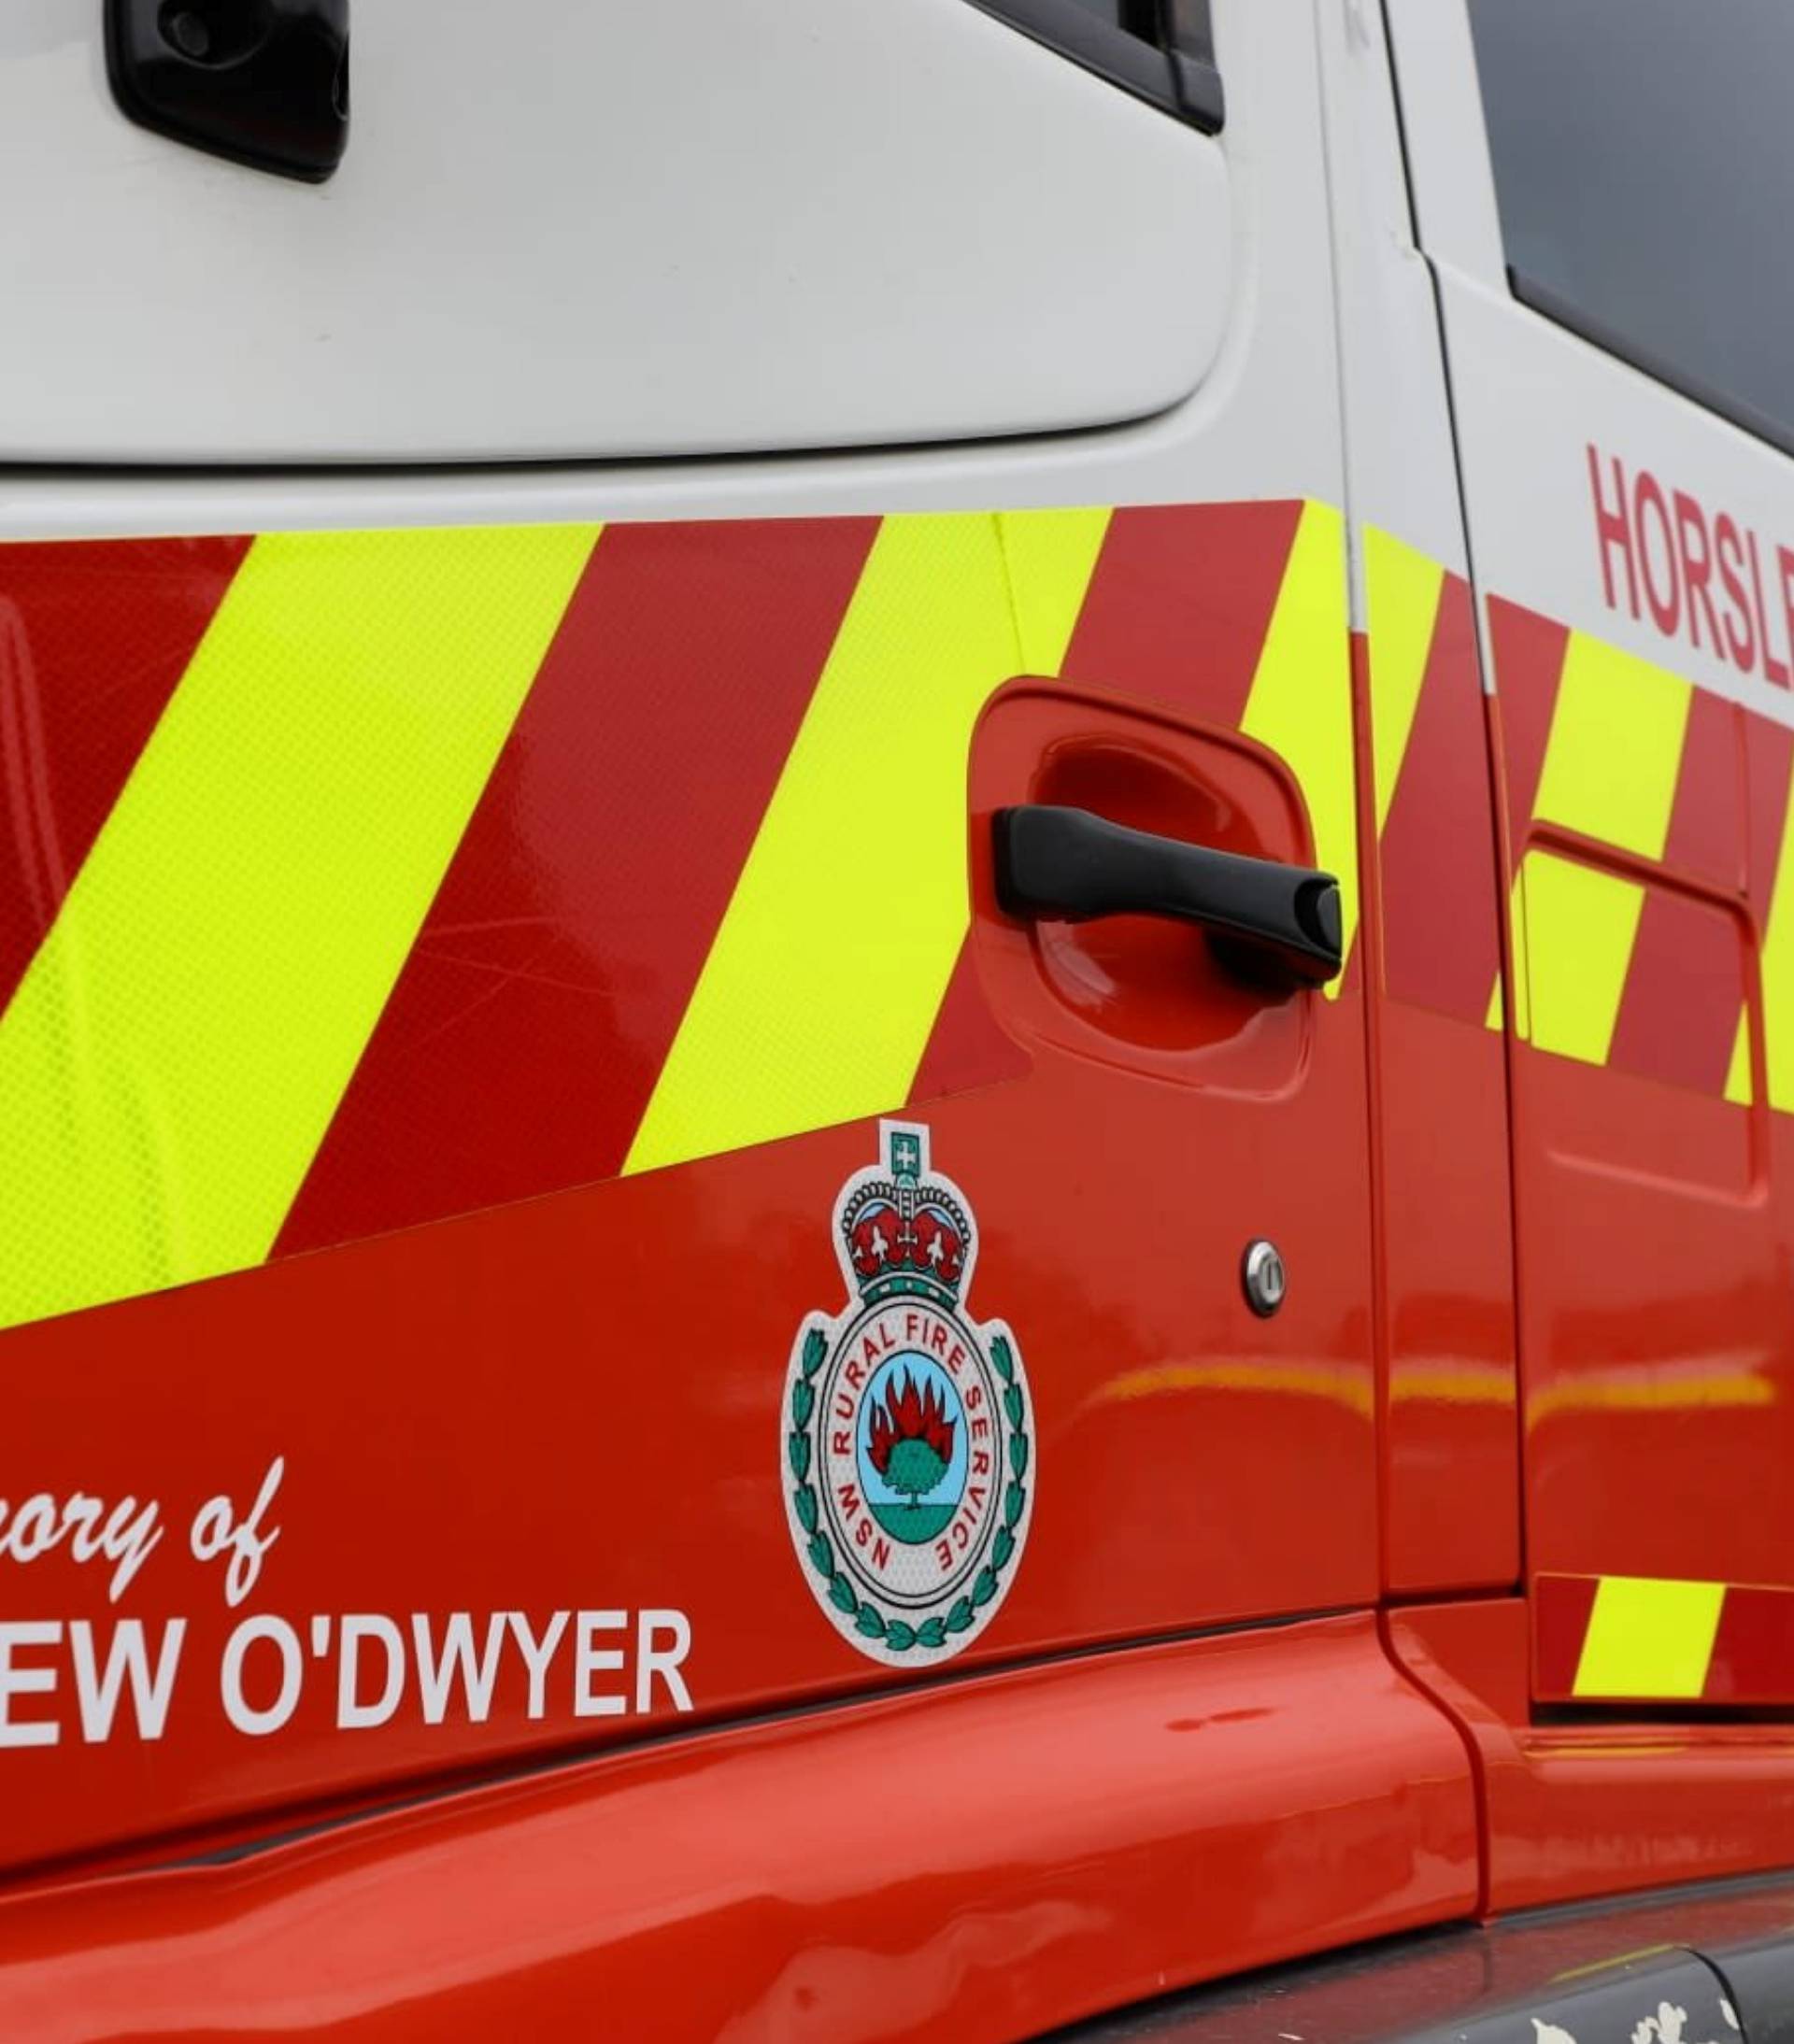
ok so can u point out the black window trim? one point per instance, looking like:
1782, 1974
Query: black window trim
1553, 305
1177, 82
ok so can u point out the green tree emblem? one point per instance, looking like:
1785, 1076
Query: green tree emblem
915, 1468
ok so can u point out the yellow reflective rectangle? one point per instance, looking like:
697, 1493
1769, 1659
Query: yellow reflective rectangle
1649, 1639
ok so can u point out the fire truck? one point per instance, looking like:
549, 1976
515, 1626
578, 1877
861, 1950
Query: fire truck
896, 991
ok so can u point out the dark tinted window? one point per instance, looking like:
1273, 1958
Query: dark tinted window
1135, 16
1643, 155
1162, 51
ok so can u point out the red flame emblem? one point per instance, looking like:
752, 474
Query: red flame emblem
909, 1413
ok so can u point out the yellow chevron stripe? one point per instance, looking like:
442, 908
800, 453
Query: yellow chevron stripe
1581, 923
1648, 1637
1495, 1015
1402, 591
1048, 557
1739, 1088
819, 991
1611, 764
1614, 749
172, 1057
1301, 701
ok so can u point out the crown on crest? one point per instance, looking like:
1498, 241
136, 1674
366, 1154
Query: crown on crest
907, 1233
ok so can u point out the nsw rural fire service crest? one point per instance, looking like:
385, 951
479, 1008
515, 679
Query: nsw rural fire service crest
907, 1429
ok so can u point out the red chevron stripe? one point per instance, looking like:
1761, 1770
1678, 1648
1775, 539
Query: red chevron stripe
94, 638
1440, 927
1561, 1607
1684, 987
1706, 838
1753, 1652
1527, 652
1180, 602
526, 1032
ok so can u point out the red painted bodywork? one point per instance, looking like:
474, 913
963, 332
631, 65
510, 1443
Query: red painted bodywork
1652, 1212
1447, 1383
1573, 1808
984, 1862
560, 1418
502, 1378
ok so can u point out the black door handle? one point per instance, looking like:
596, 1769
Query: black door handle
1054, 861
264, 82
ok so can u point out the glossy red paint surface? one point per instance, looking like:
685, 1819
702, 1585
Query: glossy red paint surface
1572, 1810
1446, 1379
1148, 996
1451, 1470
984, 1862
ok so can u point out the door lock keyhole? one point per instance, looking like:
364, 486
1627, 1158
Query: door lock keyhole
1263, 1277
214, 31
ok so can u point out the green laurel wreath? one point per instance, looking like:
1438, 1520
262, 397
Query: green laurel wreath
868, 1621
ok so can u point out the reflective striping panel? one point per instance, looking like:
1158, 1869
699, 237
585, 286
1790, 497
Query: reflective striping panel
1687, 982
1528, 653
1648, 1637
94, 638
820, 990
1644, 973
1403, 591
1615, 751
404, 884
1177, 607
176, 1051
1740, 1088
1048, 557
1580, 927
1637, 1640
561, 948
1496, 1017
1436, 840
1301, 702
